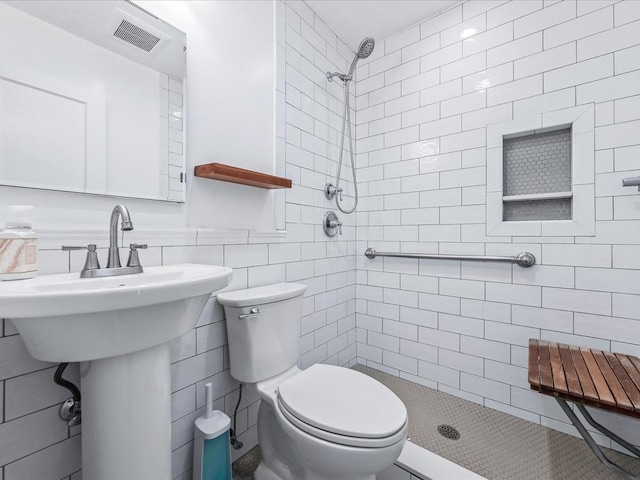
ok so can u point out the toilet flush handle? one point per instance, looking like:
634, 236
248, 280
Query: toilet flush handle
254, 312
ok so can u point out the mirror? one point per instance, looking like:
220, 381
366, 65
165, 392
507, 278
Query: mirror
91, 99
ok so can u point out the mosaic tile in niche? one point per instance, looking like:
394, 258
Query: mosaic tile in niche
539, 163
552, 209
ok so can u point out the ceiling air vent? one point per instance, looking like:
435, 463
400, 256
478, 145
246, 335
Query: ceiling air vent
136, 36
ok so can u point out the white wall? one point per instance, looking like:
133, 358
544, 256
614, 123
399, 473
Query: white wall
231, 70
227, 116
425, 98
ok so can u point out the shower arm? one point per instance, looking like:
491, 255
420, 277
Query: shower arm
344, 77
341, 76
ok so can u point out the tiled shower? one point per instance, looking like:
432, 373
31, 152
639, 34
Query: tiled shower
423, 104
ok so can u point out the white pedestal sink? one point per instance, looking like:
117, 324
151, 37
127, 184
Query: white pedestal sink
119, 328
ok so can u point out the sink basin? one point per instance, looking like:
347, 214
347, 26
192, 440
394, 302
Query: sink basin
64, 318
118, 327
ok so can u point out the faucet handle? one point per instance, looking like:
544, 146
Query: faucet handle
91, 263
91, 247
134, 259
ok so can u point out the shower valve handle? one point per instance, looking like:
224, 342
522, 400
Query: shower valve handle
330, 191
331, 224
334, 224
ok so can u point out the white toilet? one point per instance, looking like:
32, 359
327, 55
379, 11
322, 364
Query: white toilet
322, 423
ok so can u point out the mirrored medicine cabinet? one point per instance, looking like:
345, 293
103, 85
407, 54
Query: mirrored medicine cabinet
92, 98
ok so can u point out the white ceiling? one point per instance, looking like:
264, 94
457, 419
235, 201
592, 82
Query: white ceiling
97, 22
353, 20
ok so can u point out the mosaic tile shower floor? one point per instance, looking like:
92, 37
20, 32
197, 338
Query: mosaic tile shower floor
493, 444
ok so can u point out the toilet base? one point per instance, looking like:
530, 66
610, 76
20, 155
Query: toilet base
291, 454
265, 473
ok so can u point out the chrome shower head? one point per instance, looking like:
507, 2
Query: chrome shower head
364, 50
366, 47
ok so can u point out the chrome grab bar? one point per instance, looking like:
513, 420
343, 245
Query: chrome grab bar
523, 259
254, 312
631, 182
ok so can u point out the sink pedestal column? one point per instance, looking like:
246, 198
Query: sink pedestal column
126, 416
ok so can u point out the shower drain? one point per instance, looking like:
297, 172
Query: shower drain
449, 432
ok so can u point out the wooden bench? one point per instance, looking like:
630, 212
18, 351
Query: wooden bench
585, 376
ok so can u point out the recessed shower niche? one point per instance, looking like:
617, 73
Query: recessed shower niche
537, 176
540, 174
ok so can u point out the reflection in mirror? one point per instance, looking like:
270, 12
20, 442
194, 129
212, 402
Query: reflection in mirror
91, 99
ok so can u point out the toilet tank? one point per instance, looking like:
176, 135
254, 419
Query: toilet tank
263, 327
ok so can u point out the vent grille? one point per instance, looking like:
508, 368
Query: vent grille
136, 36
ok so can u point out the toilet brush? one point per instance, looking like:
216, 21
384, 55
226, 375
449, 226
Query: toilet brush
211, 453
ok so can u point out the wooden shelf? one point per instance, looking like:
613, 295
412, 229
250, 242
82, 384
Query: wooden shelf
227, 173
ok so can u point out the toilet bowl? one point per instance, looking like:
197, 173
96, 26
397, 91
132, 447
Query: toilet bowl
322, 423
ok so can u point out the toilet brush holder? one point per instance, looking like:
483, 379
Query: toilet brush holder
211, 453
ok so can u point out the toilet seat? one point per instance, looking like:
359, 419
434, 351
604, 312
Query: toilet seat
343, 406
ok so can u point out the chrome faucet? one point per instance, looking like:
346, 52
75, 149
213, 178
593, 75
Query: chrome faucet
92, 266
113, 260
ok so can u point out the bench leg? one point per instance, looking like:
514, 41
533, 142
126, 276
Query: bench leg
595, 448
620, 441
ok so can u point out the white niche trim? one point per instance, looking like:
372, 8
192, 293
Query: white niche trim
581, 121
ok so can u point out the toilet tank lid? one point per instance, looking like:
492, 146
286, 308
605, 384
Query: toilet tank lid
261, 295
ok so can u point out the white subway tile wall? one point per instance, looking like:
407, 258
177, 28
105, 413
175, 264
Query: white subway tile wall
36, 444
481, 63
421, 105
